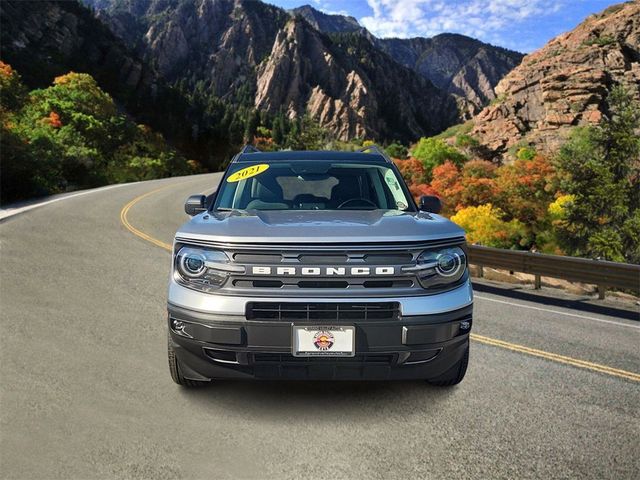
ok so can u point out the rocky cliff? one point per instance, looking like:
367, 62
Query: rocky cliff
42, 40
327, 23
228, 56
348, 86
459, 65
252, 53
564, 84
217, 42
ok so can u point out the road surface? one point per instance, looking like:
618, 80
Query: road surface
552, 390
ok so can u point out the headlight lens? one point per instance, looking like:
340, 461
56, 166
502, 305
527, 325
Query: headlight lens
203, 269
441, 267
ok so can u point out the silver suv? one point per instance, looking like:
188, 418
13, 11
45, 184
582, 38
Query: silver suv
317, 265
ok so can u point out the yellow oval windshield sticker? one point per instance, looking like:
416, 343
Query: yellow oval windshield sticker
248, 172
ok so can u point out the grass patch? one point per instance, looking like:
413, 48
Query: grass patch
600, 41
499, 99
456, 130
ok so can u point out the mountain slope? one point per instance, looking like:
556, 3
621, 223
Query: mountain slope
45, 39
327, 23
349, 86
459, 65
255, 54
564, 84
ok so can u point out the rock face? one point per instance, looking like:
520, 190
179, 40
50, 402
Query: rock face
218, 42
255, 54
307, 72
250, 54
327, 23
564, 84
459, 65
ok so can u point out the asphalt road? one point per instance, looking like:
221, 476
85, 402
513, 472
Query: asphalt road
86, 392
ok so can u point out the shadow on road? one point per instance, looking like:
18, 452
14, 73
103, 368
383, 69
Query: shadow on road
291, 399
518, 292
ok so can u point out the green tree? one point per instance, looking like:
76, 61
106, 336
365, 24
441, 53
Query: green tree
71, 135
433, 152
278, 129
312, 135
397, 150
251, 127
600, 168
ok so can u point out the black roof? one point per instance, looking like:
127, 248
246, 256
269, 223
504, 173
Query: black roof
311, 155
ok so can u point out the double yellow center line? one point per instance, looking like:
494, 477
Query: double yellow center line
139, 233
554, 357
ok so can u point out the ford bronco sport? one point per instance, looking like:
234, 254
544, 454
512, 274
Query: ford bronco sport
317, 265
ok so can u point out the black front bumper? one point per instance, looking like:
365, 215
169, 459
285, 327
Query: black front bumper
416, 347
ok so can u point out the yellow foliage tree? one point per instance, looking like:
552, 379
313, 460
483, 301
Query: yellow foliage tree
484, 225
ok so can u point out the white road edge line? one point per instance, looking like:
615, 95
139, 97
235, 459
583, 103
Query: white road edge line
602, 320
10, 212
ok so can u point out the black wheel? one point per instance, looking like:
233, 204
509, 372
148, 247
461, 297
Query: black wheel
454, 375
174, 368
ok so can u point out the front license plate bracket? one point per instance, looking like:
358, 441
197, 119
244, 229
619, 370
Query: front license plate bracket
323, 341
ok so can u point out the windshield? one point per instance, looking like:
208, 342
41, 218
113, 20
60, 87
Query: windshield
312, 185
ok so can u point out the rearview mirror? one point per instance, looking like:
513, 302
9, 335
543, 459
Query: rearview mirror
195, 204
430, 203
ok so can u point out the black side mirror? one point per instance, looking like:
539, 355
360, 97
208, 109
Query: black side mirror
430, 203
195, 204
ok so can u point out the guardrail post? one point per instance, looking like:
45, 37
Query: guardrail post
601, 291
537, 282
480, 271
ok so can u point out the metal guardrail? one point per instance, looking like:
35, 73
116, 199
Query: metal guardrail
595, 272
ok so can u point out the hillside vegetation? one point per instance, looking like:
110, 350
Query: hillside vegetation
71, 135
582, 201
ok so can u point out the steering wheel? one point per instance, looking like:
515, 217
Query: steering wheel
363, 200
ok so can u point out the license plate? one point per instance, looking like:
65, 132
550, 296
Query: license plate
323, 341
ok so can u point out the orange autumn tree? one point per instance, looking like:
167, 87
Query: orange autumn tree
478, 183
414, 174
474, 184
418, 191
411, 170
447, 183
526, 188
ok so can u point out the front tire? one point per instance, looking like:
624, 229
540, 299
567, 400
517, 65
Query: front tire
454, 375
174, 369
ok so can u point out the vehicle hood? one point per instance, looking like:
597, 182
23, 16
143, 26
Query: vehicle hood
342, 226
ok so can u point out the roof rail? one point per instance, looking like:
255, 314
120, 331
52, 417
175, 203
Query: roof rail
249, 149
376, 149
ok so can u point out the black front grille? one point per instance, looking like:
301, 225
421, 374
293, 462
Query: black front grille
324, 312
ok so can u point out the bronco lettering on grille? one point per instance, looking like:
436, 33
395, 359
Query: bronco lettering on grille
326, 271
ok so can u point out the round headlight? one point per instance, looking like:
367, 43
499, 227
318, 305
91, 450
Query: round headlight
440, 267
192, 264
203, 268
449, 264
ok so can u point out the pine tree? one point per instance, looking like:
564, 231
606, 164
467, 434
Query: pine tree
600, 170
251, 127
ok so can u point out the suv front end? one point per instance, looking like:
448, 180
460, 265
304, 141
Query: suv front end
299, 287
